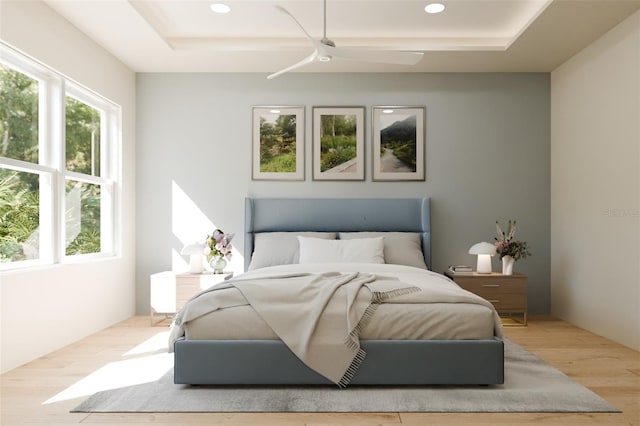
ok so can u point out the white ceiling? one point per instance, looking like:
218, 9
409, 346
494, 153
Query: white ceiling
470, 35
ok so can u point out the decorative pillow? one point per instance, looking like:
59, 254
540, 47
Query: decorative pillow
279, 248
400, 248
365, 250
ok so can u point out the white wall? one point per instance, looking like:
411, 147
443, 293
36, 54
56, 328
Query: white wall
42, 310
595, 186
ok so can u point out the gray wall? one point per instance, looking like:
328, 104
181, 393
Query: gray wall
487, 157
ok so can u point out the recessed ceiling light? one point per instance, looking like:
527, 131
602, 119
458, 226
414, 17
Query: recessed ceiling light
434, 8
220, 8
387, 111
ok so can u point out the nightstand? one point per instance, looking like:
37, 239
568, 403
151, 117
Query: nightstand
169, 291
507, 293
188, 285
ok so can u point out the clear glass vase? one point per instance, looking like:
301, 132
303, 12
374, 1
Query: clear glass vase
218, 263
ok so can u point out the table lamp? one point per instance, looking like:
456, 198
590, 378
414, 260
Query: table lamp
484, 251
195, 256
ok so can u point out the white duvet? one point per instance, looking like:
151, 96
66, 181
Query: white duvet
441, 311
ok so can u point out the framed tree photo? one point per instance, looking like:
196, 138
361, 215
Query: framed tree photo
278, 143
398, 143
338, 143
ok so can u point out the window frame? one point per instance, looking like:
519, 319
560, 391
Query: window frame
53, 88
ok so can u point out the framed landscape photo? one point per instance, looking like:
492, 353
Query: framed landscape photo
278, 143
398, 151
338, 143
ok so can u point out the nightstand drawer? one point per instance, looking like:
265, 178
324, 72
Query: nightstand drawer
503, 302
184, 292
512, 295
169, 292
188, 285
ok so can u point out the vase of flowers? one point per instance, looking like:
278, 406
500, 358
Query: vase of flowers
218, 250
507, 265
508, 249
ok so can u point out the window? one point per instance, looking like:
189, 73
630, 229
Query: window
58, 166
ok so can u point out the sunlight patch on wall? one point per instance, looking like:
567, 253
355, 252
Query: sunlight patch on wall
189, 224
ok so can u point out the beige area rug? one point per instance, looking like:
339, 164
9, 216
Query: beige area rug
531, 385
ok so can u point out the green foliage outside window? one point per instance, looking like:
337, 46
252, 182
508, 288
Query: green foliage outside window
82, 132
20, 191
18, 116
82, 219
19, 217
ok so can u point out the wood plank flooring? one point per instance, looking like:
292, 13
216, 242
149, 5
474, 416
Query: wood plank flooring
41, 391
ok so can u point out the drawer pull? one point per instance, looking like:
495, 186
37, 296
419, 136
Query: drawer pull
490, 285
494, 300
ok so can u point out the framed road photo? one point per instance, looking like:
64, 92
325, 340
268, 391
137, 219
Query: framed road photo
278, 143
398, 143
338, 143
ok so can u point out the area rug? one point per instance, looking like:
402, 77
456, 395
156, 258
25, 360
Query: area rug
531, 385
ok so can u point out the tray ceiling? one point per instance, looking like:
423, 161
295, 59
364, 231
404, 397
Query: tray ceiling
470, 35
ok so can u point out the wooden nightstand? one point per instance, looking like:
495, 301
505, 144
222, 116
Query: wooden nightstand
169, 291
507, 293
188, 285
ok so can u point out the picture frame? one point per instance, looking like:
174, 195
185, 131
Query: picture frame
278, 143
398, 143
338, 143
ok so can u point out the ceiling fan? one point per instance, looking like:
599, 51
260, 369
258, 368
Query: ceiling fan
326, 50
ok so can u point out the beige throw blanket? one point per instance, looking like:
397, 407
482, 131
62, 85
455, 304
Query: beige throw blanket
318, 316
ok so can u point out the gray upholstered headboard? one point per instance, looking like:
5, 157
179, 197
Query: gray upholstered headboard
337, 215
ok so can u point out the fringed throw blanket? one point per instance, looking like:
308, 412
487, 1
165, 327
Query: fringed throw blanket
318, 316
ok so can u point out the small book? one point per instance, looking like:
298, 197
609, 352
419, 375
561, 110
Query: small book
460, 269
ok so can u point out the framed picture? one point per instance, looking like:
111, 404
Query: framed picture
278, 143
398, 143
338, 143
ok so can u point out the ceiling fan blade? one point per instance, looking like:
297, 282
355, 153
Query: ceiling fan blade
325, 50
286, 12
379, 56
305, 61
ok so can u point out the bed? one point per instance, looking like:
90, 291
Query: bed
220, 360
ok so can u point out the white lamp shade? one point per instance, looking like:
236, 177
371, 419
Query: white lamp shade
483, 248
484, 251
195, 248
194, 251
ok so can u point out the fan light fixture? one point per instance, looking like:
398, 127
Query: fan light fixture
220, 8
434, 8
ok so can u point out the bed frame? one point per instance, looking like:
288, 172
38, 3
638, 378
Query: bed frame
388, 362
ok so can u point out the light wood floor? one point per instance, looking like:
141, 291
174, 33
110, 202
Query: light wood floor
610, 370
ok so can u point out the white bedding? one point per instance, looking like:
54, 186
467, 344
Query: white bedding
399, 318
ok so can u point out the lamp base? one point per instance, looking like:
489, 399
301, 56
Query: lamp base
195, 263
484, 264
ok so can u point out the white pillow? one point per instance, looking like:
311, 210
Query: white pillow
279, 248
400, 248
365, 250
